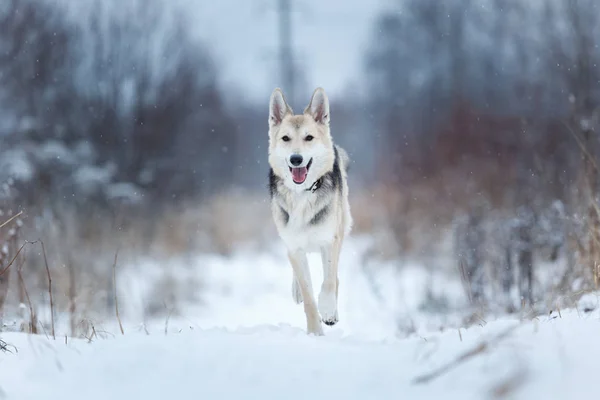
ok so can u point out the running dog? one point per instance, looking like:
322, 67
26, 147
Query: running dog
309, 199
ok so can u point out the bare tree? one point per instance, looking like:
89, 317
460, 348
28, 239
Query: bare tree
470, 242
576, 55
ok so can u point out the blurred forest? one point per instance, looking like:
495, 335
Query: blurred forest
487, 120
473, 135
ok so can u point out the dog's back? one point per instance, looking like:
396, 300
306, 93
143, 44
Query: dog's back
344, 161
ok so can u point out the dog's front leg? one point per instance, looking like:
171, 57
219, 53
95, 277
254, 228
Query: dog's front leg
302, 274
296, 292
329, 290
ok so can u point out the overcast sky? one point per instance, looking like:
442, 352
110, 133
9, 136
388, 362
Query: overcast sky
330, 38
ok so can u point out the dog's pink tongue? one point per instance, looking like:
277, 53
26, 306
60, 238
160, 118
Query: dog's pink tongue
299, 174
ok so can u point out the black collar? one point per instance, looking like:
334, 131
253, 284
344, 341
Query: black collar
315, 186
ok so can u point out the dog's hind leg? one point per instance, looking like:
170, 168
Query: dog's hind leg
329, 290
302, 276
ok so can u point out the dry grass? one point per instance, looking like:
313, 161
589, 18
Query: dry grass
218, 225
11, 219
33, 318
507, 387
49, 290
466, 356
12, 261
80, 248
409, 223
6, 348
114, 268
8, 242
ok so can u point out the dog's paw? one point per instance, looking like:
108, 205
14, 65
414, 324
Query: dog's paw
332, 320
315, 329
296, 292
328, 308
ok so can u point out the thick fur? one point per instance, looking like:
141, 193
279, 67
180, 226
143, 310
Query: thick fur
313, 216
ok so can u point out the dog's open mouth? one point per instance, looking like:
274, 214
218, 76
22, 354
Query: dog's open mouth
299, 174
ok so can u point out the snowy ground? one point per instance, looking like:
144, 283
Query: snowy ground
544, 359
248, 341
252, 288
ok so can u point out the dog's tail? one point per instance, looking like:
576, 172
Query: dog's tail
344, 158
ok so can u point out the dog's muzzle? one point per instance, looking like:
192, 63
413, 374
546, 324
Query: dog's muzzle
299, 174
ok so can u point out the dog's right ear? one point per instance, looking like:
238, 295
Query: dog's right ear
278, 108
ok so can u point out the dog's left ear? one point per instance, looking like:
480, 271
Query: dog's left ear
318, 107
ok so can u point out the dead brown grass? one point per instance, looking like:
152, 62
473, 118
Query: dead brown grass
466, 356
219, 224
114, 268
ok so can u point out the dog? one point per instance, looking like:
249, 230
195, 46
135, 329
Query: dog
309, 199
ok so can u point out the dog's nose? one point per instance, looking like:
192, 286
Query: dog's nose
296, 159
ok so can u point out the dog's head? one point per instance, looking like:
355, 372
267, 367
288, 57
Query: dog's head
300, 146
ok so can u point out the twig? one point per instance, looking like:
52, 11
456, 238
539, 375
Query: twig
105, 332
483, 346
32, 316
116, 297
15, 257
465, 280
11, 219
510, 385
43, 329
167, 321
582, 147
72, 293
93, 334
49, 289
5, 347
143, 326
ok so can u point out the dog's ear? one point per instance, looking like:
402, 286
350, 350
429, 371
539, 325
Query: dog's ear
318, 107
278, 108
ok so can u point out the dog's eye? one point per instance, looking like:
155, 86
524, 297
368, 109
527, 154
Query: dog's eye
309, 138
285, 138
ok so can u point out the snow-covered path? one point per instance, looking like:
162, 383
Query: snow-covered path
542, 359
251, 288
247, 341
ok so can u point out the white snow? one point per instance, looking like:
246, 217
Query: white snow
247, 341
253, 287
544, 359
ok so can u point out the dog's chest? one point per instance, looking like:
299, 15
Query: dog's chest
304, 221
300, 208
